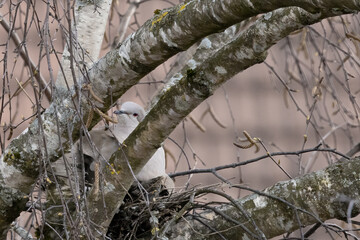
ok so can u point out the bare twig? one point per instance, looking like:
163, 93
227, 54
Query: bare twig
233, 165
43, 84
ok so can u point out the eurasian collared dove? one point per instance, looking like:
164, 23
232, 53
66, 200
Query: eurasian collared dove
129, 116
104, 142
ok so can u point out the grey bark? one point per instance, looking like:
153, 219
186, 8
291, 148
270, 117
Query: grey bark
187, 91
167, 33
282, 208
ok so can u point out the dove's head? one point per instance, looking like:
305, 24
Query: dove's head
131, 110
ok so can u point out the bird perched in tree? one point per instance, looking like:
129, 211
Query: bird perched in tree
102, 143
106, 142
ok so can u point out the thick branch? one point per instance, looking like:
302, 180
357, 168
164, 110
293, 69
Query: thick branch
88, 16
84, 39
161, 37
187, 92
166, 34
274, 209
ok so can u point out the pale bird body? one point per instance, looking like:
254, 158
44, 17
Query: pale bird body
128, 118
104, 142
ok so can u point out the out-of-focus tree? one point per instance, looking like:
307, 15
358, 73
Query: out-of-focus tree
65, 64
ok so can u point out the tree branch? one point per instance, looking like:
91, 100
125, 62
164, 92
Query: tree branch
304, 196
237, 164
187, 91
167, 33
84, 40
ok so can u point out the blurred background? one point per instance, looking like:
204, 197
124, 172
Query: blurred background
305, 94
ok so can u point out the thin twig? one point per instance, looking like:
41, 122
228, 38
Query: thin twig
26, 58
234, 165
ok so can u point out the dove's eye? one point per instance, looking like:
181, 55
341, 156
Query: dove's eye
135, 114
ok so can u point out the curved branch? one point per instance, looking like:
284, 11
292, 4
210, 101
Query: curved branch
167, 33
187, 91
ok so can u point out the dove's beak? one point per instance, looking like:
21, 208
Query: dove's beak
118, 112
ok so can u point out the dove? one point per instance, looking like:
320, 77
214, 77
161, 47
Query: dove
103, 142
108, 141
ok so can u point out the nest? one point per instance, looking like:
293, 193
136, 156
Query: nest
145, 210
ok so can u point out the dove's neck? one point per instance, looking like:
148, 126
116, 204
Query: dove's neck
124, 127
